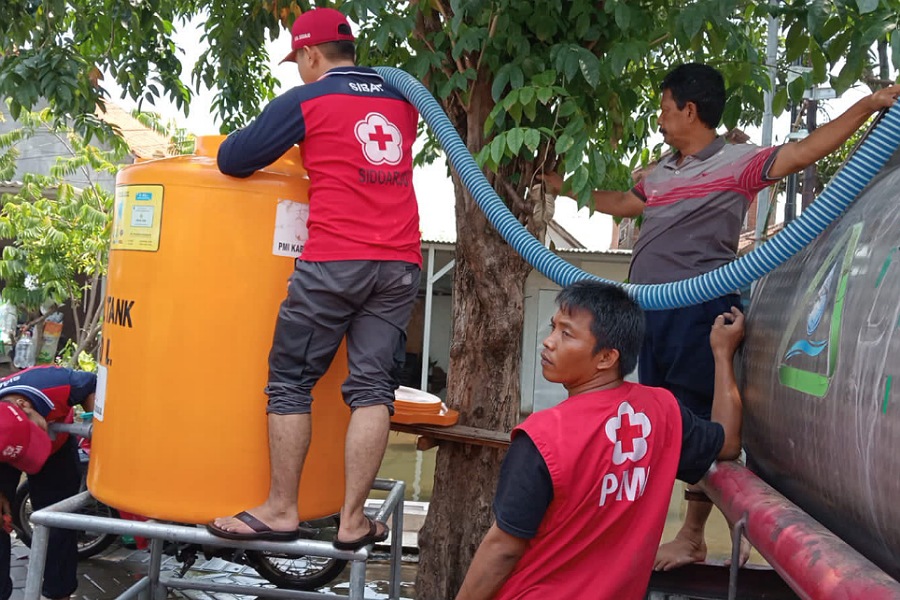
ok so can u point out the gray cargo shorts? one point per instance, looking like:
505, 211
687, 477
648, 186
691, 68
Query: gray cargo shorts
368, 301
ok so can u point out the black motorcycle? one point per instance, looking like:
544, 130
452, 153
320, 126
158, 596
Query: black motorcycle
297, 572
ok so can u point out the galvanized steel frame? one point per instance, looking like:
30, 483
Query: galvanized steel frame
63, 515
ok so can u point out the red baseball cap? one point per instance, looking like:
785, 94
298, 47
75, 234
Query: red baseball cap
318, 26
23, 444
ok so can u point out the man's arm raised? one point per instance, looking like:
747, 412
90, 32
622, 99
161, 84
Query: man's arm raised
829, 137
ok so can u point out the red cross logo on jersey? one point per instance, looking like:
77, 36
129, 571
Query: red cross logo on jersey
381, 140
628, 431
380, 137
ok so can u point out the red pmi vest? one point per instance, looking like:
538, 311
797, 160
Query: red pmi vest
612, 456
359, 157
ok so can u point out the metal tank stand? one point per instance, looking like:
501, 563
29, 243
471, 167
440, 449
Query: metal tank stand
63, 515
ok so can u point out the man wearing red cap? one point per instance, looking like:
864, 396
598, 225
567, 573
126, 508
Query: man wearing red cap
29, 400
358, 274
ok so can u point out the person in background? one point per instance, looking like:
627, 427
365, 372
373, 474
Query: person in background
693, 205
30, 400
585, 486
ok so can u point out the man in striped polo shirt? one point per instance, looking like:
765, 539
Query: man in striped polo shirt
694, 203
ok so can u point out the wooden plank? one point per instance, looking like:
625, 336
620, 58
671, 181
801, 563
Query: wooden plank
460, 434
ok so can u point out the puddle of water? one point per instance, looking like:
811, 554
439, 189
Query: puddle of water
377, 575
402, 461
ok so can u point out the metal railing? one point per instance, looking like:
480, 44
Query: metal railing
63, 515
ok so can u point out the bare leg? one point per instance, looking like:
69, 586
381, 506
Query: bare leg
289, 437
367, 437
688, 546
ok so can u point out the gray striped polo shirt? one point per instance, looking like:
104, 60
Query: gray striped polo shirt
695, 210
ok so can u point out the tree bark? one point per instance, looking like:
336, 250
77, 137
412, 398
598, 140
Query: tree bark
483, 378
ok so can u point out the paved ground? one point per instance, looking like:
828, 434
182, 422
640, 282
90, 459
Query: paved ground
112, 572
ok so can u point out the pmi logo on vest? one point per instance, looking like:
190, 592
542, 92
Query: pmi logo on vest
628, 432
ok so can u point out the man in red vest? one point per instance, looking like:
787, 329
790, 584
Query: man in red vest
585, 487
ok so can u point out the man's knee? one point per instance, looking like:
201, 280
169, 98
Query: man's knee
282, 403
366, 400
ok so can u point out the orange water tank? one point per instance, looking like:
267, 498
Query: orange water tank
198, 266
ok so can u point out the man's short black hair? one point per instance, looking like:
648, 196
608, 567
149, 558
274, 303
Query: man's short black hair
617, 322
700, 84
339, 50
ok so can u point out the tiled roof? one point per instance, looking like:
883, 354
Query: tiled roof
745, 242
143, 141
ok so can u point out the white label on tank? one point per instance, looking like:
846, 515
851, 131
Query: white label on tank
290, 228
100, 394
142, 216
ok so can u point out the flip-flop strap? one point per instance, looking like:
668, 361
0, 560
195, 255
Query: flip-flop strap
252, 522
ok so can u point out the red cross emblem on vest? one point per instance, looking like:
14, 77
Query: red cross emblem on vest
628, 431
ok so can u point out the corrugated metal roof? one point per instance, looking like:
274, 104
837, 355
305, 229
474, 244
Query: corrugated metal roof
13, 187
618, 252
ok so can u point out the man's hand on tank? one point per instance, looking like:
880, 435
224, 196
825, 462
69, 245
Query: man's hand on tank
727, 333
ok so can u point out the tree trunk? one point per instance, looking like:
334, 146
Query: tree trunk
483, 378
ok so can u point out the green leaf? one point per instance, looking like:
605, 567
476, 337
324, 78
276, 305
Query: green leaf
838, 45
895, 49
878, 31
514, 140
590, 67
572, 64
819, 63
568, 108
732, 113
516, 77
830, 28
866, 6
526, 95
816, 16
779, 101
545, 78
796, 89
579, 182
691, 20
530, 111
498, 148
796, 42
544, 95
623, 16
500, 81
563, 143
532, 139
515, 111
511, 99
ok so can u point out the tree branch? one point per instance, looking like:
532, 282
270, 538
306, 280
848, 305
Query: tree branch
75, 316
92, 324
491, 30
443, 10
